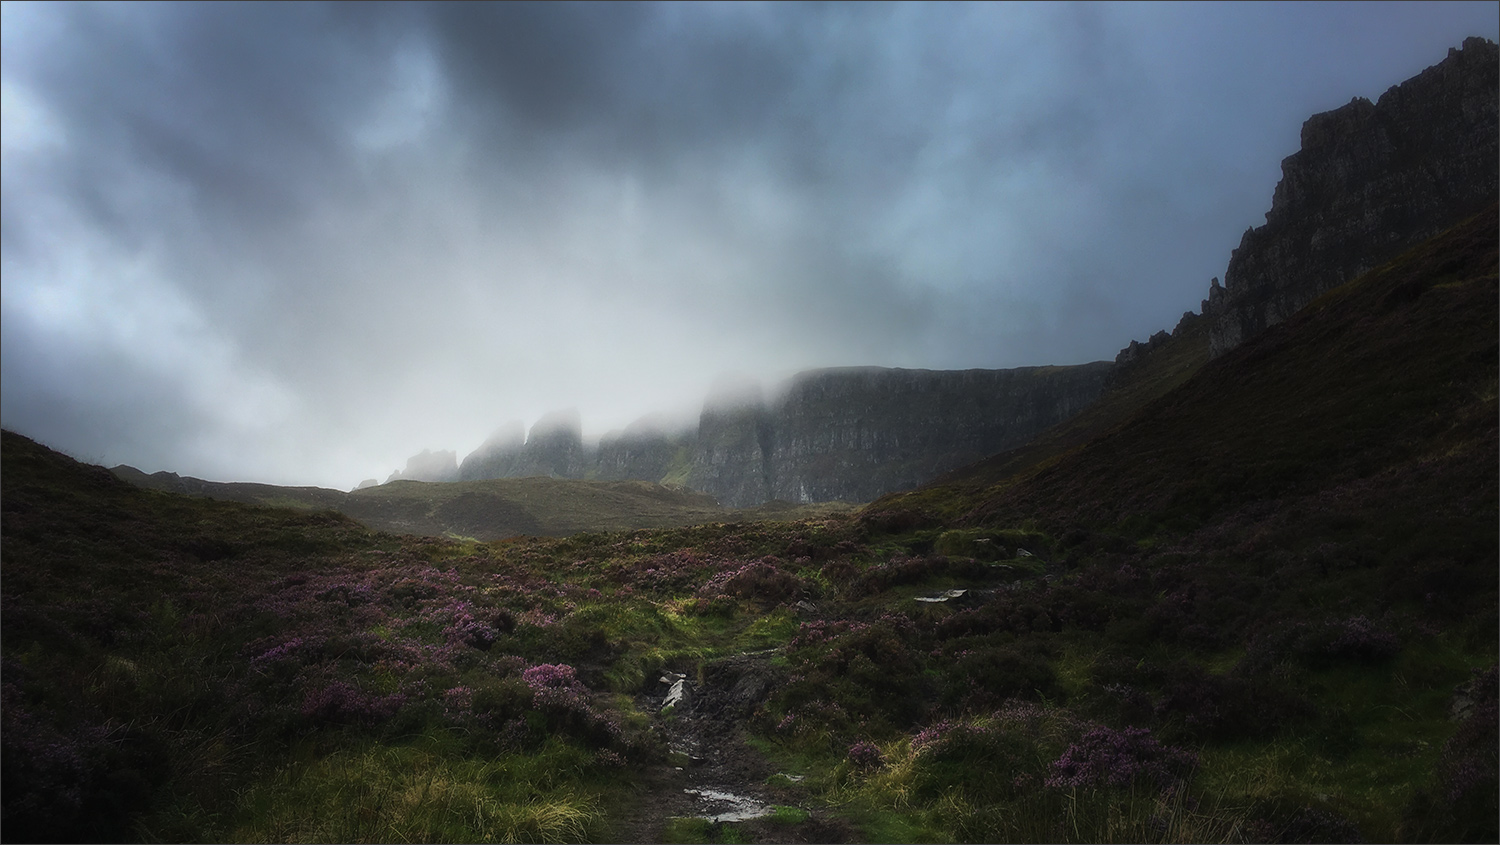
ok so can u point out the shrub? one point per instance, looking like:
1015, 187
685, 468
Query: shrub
985, 676
1000, 756
760, 580
1107, 757
52, 778
866, 755
1227, 707
564, 700
340, 702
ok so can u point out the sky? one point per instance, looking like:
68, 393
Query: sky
299, 243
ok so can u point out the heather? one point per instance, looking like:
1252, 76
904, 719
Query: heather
1234, 618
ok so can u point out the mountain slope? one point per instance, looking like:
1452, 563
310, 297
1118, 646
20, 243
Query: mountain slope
1132, 386
1263, 608
1366, 380
492, 509
1386, 375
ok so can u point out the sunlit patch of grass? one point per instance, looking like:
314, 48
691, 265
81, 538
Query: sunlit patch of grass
771, 630
1370, 787
782, 814
407, 794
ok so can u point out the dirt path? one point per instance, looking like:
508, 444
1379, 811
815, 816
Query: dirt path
713, 773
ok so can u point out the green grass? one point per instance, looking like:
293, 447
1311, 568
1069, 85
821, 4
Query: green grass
408, 794
782, 814
474, 511
1285, 571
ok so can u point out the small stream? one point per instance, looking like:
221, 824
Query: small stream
719, 806
715, 803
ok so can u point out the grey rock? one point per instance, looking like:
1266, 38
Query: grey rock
428, 466
946, 596
678, 695
497, 457
1370, 181
850, 434
857, 433
647, 450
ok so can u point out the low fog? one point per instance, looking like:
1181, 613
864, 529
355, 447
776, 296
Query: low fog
300, 243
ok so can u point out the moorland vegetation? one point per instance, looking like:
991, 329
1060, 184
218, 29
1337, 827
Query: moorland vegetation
1257, 604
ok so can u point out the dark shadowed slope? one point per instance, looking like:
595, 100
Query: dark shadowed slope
1132, 387
1262, 609
1386, 381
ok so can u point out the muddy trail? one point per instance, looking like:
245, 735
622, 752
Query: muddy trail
712, 774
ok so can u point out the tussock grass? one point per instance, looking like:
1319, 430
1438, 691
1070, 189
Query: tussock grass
405, 794
1283, 573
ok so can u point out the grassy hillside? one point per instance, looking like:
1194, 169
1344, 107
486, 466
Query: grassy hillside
1134, 386
1260, 606
1367, 378
493, 509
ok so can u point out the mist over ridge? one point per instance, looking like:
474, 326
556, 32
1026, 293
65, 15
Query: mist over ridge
297, 245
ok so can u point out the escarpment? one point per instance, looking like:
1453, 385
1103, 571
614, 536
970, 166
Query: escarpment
1370, 181
860, 432
553, 448
850, 434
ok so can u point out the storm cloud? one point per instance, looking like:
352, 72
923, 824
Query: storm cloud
297, 243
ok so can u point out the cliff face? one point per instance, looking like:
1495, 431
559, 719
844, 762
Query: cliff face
554, 448
496, 458
732, 459
1371, 180
428, 466
849, 434
858, 433
640, 455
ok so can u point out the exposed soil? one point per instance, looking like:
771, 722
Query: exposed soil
711, 760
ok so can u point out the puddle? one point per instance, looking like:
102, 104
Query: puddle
721, 806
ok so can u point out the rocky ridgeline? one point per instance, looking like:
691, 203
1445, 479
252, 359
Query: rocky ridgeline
1371, 181
1137, 350
644, 451
426, 466
860, 432
849, 434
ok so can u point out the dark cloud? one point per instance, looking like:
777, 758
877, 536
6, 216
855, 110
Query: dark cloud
299, 243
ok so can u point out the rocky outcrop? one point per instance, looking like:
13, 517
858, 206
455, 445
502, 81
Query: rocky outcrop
554, 447
849, 434
1371, 180
857, 433
731, 459
497, 457
428, 466
1137, 351
647, 450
